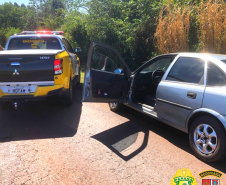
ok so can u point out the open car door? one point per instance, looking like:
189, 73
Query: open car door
107, 75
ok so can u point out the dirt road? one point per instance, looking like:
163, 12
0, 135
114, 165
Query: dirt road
43, 143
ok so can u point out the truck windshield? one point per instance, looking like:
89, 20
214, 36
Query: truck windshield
34, 43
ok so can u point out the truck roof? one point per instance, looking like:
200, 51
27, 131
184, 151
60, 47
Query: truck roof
39, 35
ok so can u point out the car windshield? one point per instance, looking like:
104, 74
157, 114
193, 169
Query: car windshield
34, 43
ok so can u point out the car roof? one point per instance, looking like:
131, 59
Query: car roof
204, 55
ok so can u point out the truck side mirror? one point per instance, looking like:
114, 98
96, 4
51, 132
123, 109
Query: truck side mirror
78, 50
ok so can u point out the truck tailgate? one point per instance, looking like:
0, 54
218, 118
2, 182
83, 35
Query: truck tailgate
26, 68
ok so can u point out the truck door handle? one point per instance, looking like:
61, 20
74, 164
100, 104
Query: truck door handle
14, 64
191, 95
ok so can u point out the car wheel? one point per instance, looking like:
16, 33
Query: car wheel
115, 107
207, 139
79, 77
68, 99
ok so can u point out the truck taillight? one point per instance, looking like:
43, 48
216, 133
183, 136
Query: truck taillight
58, 67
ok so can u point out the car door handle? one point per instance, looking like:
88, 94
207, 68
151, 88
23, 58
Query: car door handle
191, 95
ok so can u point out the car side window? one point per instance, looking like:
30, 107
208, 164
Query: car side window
105, 60
67, 45
215, 76
161, 64
188, 69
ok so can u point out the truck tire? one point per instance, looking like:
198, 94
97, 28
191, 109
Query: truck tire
68, 99
207, 139
116, 107
79, 77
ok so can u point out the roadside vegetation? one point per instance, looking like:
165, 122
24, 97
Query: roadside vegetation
82, 77
138, 29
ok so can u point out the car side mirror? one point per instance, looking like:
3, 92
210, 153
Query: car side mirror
78, 50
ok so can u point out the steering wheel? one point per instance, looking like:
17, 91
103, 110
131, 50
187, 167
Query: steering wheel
157, 76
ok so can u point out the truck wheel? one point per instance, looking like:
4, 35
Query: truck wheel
79, 78
116, 107
68, 99
207, 139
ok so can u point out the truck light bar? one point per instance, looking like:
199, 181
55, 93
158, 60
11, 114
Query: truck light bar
44, 32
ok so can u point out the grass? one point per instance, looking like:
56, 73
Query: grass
173, 29
82, 77
212, 17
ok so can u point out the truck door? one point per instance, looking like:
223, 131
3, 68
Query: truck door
107, 75
181, 90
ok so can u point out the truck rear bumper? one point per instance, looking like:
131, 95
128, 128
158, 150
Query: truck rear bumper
32, 97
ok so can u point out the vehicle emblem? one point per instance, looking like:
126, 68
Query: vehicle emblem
210, 181
16, 72
183, 177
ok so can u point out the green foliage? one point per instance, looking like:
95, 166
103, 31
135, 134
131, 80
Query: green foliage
128, 25
11, 31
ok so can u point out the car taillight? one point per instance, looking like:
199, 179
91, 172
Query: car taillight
58, 67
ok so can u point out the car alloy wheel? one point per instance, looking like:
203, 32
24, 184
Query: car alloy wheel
205, 139
113, 105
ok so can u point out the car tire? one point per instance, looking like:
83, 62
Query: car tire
79, 77
68, 99
207, 139
116, 107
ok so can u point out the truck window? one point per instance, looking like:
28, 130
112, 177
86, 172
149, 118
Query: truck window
67, 45
22, 43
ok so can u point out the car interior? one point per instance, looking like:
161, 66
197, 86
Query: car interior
108, 78
146, 82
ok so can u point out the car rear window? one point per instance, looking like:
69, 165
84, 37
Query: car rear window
215, 76
34, 43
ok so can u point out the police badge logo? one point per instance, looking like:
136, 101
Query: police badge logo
183, 177
210, 182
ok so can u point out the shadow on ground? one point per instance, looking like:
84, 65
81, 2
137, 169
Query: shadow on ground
40, 120
123, 136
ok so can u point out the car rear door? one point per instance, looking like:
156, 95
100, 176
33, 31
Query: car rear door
107, 75
181, 90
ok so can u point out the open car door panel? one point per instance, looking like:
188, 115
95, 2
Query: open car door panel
107, 75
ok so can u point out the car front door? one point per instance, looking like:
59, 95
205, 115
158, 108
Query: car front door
181, 90
107, 75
